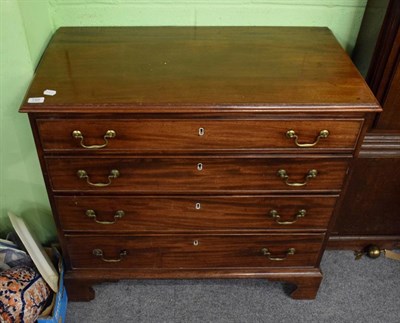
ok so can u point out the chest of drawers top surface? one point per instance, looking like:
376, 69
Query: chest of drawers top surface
174, 69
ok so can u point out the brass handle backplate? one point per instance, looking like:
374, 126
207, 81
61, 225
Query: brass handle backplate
274, 214
283, 174
92, 214
82, 174
292, 135
289, 252
77, 134
99, 253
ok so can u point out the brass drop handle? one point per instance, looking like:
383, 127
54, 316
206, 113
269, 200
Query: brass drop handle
99, 253
289, 252
274, 214
292, 135
283, 174
82, 174
92, 214
77, 134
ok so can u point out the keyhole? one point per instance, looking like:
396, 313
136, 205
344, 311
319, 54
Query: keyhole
201, 131
199, 166
196, 242
198, 206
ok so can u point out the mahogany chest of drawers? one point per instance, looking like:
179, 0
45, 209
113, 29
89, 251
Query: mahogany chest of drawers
187, 152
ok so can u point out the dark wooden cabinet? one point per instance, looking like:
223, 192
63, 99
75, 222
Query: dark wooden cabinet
370, 212
196, 152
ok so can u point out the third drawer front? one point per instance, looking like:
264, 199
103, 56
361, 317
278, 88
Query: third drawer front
194, 251
196, 175
222, 213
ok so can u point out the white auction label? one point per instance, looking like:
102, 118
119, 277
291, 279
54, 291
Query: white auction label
49, 92
36, 100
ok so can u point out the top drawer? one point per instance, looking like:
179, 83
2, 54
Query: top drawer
155, 135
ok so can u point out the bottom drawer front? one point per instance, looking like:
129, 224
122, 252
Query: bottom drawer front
202, 251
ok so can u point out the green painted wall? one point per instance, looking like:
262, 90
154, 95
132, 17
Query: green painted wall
343, 17
26, 27
21, 184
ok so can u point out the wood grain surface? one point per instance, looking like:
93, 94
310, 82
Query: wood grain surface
149, 135
194, 251
181, 175
196, 213
200, 66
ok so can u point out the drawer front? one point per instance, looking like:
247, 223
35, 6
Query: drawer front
160, 175
199, 135
193, 251
144, 214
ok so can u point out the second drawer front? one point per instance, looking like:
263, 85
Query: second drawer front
143, 214
185, 252
160, 175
